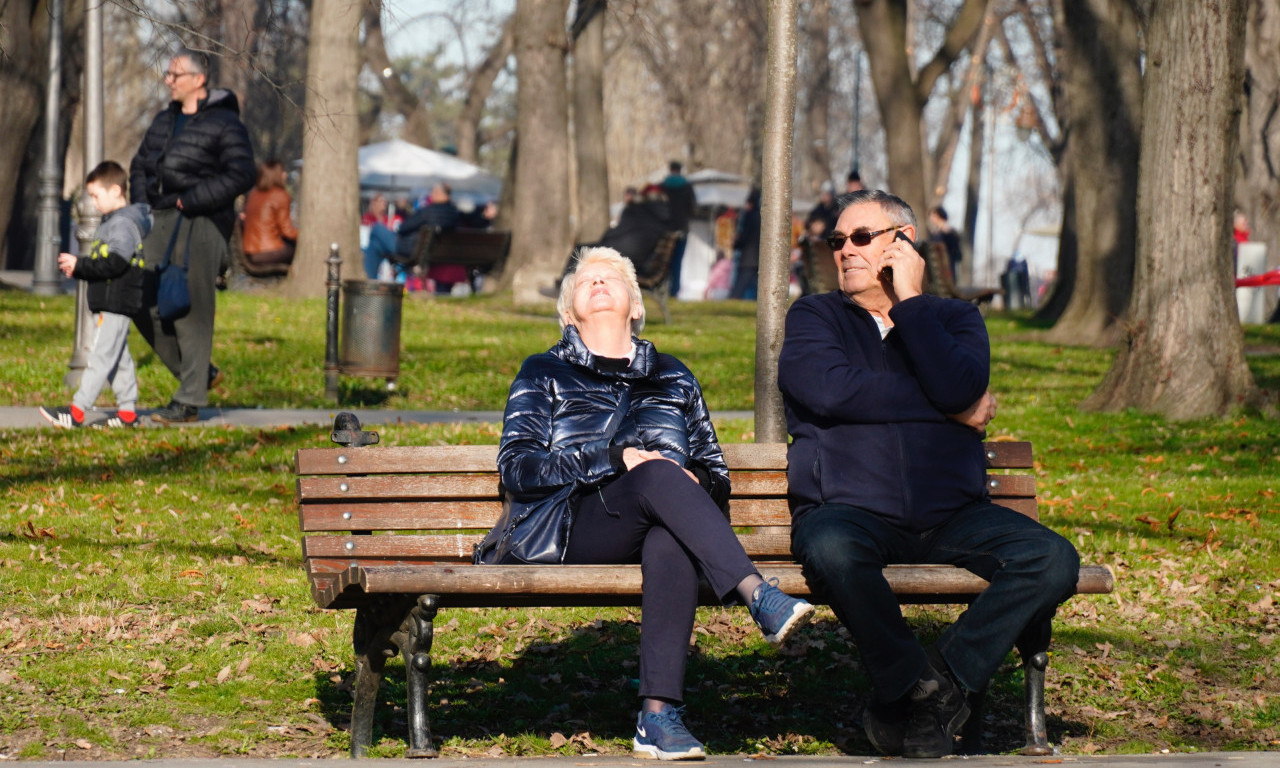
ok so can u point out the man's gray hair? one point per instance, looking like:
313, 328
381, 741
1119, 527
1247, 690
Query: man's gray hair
895, 207
609, 257
199, 61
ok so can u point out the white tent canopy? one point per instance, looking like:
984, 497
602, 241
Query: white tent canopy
399, 165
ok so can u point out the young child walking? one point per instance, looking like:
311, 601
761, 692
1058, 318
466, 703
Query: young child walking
113, 269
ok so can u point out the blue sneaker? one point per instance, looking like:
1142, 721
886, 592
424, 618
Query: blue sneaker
777, 613
662, 736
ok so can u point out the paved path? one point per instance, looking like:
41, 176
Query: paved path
24, 417
1204, 760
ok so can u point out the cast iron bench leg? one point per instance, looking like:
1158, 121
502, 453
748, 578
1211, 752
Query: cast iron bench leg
370, 638
1037, 729
415, 638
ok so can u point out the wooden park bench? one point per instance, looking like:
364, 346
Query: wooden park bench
942, 282
656, 280
479, 250
389, 531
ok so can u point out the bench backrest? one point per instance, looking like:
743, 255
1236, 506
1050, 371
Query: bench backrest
441, 500
468, 247
658, 269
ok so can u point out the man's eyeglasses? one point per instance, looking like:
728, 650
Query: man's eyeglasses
835, 240
176, 75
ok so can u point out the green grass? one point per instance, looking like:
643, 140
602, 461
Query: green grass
155, 604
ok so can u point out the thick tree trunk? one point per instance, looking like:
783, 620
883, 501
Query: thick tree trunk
24, 70
588, 121
330, 180
540, 239
815, 156
1183, 352
239, 35
1103, 88
901, 91
1258, 184
901, 107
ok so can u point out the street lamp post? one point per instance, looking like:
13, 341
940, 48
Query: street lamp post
45, 280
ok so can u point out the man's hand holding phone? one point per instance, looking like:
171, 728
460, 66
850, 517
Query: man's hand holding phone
901, 269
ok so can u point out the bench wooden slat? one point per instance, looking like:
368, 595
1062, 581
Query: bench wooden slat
591, 585
483, 458
390, 515
396, 459
485, 486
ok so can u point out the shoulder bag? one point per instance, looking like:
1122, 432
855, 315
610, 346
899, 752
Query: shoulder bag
173, 297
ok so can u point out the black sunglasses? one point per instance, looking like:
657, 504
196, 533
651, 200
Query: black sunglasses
835, 240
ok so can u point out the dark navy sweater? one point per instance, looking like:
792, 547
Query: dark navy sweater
868, 417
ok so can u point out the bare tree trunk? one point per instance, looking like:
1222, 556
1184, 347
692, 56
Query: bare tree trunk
20, 78
815, 158
540, 239
1258, 184
973, 184
330, 180
961, 100
239, 33
1183, 352
901, 92
588, 121
1103, 88
417, 121
478, 89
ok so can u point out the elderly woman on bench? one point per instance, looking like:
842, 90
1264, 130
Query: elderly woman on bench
627, 429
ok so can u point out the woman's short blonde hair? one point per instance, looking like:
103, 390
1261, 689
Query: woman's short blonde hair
611, 258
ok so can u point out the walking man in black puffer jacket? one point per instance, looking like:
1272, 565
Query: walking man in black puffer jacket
195, 160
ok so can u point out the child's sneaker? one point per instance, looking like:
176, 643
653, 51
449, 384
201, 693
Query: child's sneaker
662, 736
777, 613
63, 417
121, 419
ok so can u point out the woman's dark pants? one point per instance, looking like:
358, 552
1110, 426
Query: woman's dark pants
658, 516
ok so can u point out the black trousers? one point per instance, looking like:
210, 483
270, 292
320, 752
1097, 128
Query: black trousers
658, 516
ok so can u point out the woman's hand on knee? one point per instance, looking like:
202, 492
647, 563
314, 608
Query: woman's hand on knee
634, 457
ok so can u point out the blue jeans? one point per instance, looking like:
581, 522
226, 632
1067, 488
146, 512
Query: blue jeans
1031, 570
677, 261
382, 242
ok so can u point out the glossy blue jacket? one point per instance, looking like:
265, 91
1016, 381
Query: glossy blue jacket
560, 406
868, 417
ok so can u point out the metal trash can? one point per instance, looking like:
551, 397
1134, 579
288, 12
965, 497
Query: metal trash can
371, 329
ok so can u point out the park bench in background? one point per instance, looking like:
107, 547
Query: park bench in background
434, 503
479, 250
656, 280
942, 282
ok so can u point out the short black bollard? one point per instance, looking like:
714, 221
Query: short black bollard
331, 324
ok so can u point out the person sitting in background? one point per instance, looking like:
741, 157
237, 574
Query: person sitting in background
382, 234
441, 213
623, 432
269, 235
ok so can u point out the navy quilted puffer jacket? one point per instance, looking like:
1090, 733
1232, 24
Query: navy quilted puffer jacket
560, 405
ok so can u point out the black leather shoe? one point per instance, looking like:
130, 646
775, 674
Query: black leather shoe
939, 709
215, 376
176, 413
886, 726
